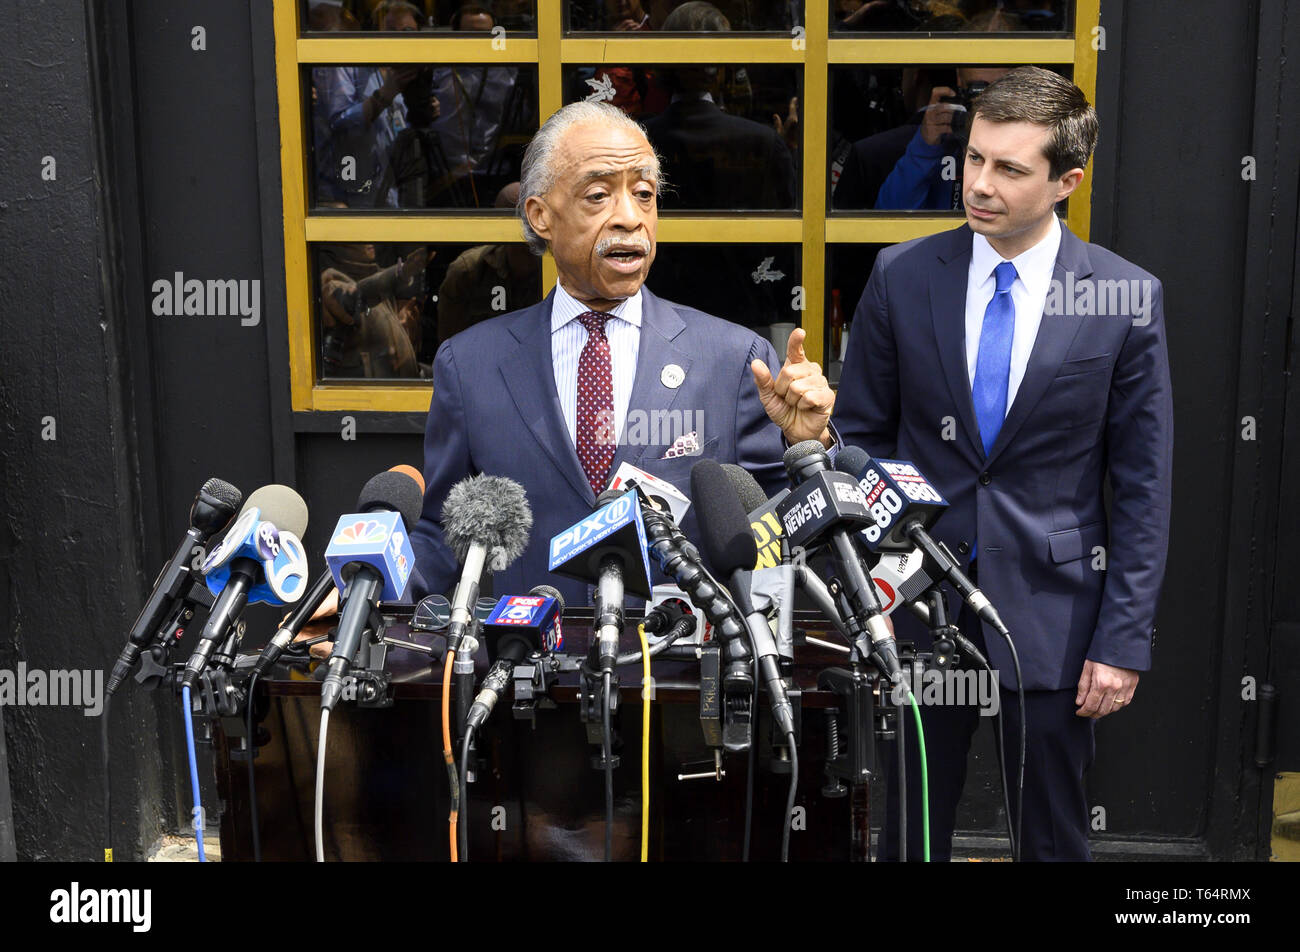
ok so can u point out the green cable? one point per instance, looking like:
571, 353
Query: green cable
925, 779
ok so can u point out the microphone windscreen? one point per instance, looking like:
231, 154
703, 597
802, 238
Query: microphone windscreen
491, 511
751, 494
547, 591
802, 449
411, 471
391, 491
608, 496
852, 460
224, 494
280, 506
728, 540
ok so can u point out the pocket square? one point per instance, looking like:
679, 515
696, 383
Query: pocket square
686, 445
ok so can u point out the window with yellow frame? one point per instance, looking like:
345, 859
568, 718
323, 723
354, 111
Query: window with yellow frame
402, 123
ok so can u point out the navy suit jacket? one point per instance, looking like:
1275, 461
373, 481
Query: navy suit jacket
1095, 399
495, 410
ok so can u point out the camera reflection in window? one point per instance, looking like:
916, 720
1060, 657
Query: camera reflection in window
371, 316
918, 166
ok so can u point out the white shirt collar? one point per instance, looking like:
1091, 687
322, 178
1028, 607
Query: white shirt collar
566, 308
1034, 265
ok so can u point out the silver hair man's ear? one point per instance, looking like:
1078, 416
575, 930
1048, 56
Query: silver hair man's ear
537, 174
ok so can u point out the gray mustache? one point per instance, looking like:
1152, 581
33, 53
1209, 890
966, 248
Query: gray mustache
606, 245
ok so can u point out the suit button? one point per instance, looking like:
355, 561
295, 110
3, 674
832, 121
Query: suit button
963, 548
985, 479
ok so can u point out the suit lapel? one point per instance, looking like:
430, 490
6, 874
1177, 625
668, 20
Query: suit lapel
948, 313
660, 325
1055, 333
529, 375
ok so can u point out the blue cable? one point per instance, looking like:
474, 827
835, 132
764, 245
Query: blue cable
194, 772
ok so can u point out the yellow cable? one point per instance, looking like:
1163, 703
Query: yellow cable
645, 744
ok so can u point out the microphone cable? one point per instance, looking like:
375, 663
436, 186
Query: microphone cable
645, 743
320, 784
789, 802
252, 780
1013, 837
463, 797
108, 782
1020, 775
901, 753
447, 755
925, 775
194, 772
606, 742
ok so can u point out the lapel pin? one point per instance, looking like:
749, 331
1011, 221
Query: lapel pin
672, 376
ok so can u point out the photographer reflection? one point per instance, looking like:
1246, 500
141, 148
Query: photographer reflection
370, 316
482, 107
488, 280
927, 175
359, 115
714, 159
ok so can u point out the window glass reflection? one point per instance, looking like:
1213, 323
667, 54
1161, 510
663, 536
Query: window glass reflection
439, 16
729, 136
898, 136
847, 269
641, 16
950, 16
419, 136
750, 284
383, 309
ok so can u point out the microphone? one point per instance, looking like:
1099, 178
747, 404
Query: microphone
213, 508
518, 626
607, 548
485, 520
261, 559
370, 559
768, 534
824, 506
906, 506
295, 621
729, 547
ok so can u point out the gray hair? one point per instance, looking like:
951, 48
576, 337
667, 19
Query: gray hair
538, 173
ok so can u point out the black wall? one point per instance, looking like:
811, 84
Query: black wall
71, 534
168, 161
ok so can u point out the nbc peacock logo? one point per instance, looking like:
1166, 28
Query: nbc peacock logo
359, 533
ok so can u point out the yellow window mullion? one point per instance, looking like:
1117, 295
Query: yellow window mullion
814, 116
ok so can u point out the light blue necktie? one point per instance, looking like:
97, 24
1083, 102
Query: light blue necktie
993, 363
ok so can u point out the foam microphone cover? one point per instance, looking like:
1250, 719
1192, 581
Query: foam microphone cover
491, 511
746, 486
852, 460
728, 540
392, 491
411, 471
280, 506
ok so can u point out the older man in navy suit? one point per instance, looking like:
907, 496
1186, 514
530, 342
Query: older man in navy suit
1019, 367
557, 395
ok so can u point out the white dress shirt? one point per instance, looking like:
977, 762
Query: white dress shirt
1028, 293
568, 337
